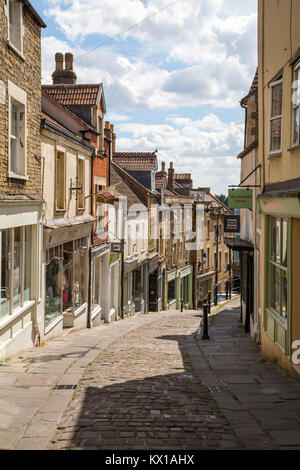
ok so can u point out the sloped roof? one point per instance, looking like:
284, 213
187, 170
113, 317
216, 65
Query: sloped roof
123, 188
74, 95
34, 13
136, 160
253, 88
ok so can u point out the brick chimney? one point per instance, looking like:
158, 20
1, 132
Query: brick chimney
114, 137
171, 175
63, 75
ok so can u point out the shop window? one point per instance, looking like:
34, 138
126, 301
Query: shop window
53, 304
65, 278
60, 181
275, 116
17, 268
97, 282
16, 263
278, 267
80, 184
5, 270
171, 290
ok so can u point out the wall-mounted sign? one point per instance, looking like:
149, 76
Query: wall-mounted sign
232, 223
240, 198
116, 247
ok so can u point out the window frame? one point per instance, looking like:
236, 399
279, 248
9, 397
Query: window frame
272, 118
16, 4
294, 107
11, 256
80, 160
58, 182
19, 95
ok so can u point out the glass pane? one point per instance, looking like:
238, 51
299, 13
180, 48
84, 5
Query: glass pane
275, 240
17, 268
275, 288
296, 126
284, 295
97, 274
14, 128
53, 308
276, 106
5, 268
27, 273
171, 290
79, 277
67, 280
284, 242
276, 134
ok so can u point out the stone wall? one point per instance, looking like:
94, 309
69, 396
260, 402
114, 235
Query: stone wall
26, 74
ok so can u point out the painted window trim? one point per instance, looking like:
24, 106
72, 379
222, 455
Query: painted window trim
20, 52
277, 151
294, 107
284, 323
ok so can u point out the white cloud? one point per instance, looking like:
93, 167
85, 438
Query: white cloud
210, 39
197, 147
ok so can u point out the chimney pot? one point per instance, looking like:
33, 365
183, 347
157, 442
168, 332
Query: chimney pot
59, 61
163, 166
107, 125
112, 128
69, 61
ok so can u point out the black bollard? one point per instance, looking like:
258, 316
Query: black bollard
209, 301
226, 284
205, 322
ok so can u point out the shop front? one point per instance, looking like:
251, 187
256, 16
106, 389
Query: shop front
100, 269
114, 288
20, 247
130, 266
155, 284
171, 289
66, 274
185, 279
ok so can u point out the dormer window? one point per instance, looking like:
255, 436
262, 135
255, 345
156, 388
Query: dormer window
14, 17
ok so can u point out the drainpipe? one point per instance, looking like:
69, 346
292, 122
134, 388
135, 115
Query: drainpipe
89, 319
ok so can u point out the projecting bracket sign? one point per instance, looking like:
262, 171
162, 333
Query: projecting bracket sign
232, 223
240, 198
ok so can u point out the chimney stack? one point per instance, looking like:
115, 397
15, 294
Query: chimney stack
171, 175
163, 167
64, 76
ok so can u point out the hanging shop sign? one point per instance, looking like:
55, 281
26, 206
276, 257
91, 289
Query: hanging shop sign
240, 198
232, 223
116, 247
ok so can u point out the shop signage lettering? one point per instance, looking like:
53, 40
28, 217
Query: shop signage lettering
232, 223
240, 198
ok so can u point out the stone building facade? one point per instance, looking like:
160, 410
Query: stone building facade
20, 175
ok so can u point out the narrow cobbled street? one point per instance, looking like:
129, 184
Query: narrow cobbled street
150, 382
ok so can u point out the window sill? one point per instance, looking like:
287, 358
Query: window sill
275, 155
17, 177
17, 313
53, 324
15, 49
294, 147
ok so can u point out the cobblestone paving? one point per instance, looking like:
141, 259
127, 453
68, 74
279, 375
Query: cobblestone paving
142, 393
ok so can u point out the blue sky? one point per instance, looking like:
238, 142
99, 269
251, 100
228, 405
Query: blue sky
171, 83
